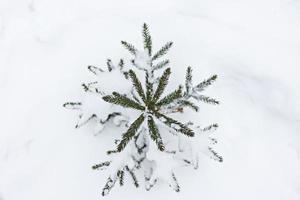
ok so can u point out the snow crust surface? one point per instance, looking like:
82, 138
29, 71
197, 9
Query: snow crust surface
45, 47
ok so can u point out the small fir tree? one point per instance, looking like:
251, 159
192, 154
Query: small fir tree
147, 117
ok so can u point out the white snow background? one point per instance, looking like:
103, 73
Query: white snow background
254, 47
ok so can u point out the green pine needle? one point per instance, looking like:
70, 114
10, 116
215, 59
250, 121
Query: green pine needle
101, 165
210, 127
147, 39
72, 105
122, 100
206, 99
149, 88
201, 86
154, 133
110, 183
109, 65
137, 85
188, 80
161, 64
186, 103
120, 175
163, 81
121, 64
162, 51
175, 125
170, 97
129, 47
130, 133
215, 155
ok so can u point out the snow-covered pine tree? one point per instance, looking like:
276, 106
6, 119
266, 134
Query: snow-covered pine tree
153, 142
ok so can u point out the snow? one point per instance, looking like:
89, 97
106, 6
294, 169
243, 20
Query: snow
253, 47
142, 60
108, 82
164, 166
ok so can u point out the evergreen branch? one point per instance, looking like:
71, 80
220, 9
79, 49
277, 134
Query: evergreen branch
122, 100
215, 155
162, 51
149, 87
201, 86
135, 181
109, 117
154, 133
109, 64
174, 124
137, 85
188, 80
95, 70
121, 64
88, 87
110, 183
187, 161
111, 152
85, 87
120, 175
161, 64
186, 103
147, 39
72, 105
80, 124
101, 165
170, 97
130, 133
129, 47
175, 185
210, 128
205, 99
151, 103
163, 81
